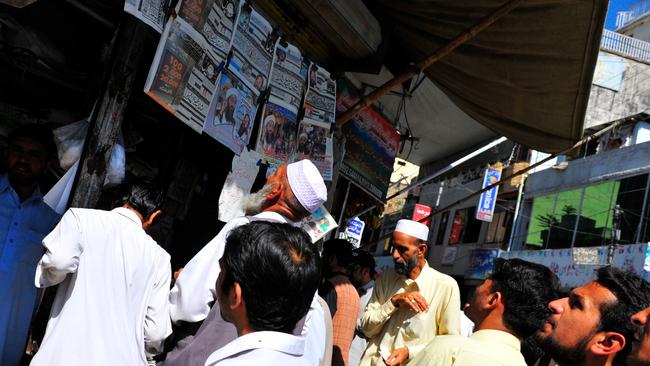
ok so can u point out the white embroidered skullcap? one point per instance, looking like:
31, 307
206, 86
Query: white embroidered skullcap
307, 184
413, 228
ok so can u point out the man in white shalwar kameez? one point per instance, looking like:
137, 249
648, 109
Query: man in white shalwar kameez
111, 306
290, 194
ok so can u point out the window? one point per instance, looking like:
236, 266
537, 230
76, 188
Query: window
442, 227
499, 229
587, 216
465, 227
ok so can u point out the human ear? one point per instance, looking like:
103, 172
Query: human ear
236, 298
151, 218
275, 192
608, 343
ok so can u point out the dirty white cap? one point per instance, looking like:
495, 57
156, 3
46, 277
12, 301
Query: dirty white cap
307, 184
413, 228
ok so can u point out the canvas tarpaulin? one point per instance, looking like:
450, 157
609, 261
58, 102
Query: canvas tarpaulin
526, 77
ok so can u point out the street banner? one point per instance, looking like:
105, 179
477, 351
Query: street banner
354, 231
481, 263
488, 199
191, 52
371, 145
422, 213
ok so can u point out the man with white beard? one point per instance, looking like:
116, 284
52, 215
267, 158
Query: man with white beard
292, 193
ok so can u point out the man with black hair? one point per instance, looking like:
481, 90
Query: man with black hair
341, 297
111, 307
290, 194
509, 306
591, 327
363, 278
24, 220
640, 353
269, 274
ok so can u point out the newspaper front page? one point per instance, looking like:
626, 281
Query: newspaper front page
151, 12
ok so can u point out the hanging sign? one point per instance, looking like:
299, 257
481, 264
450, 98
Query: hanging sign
354, 231
488, 199
422, 213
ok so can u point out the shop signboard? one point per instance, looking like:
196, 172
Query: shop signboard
481, 263
488, 199
422, 213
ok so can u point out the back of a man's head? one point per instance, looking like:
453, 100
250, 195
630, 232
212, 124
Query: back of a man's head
526, 289
278, 270
144, 197
339, 248
632, 295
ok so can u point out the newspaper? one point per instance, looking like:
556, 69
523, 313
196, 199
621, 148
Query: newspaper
318, 224
320, 98
315, 145
151, 12
232, 112
190, 54
277, 139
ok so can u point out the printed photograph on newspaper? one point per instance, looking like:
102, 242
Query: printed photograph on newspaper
318, 224
315, 145
151, 12
232, 113
214, 20
288, 75
277, 131
253, 45
320, 98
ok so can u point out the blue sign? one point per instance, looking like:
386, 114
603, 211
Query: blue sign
485, 209
354, 231
481, 263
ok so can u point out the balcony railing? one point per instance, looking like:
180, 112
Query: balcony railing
636, 11
625, 46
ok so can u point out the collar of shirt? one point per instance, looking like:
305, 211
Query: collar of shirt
277, 341
272, 216
493, 335
128, 214
425, 273
5, 185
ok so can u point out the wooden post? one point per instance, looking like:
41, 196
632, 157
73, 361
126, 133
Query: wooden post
107, 120
367, 100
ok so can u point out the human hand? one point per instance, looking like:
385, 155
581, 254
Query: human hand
398, 357
413, 300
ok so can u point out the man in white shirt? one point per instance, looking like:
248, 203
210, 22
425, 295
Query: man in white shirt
509, 306
111, 305
292, 193
269, 274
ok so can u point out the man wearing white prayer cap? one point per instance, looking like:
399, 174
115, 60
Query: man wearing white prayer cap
410, 304
290, 194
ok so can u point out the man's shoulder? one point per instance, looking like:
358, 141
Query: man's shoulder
441, 278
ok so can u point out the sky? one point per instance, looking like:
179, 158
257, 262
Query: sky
614, 7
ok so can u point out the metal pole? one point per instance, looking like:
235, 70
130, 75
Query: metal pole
514, 220
345, 203
384, 89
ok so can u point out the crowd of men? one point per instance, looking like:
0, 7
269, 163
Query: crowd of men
261, 293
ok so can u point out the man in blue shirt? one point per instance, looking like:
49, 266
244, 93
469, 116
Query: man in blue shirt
24, 220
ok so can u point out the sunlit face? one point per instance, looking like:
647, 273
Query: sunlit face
569, 330
640, 354
480, 296
405, 252
27, 160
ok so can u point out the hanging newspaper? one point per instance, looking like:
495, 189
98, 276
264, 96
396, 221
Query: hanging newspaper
320, 99
151, 12
315, 145
277, 137
233, 109
318, 224
191, 51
